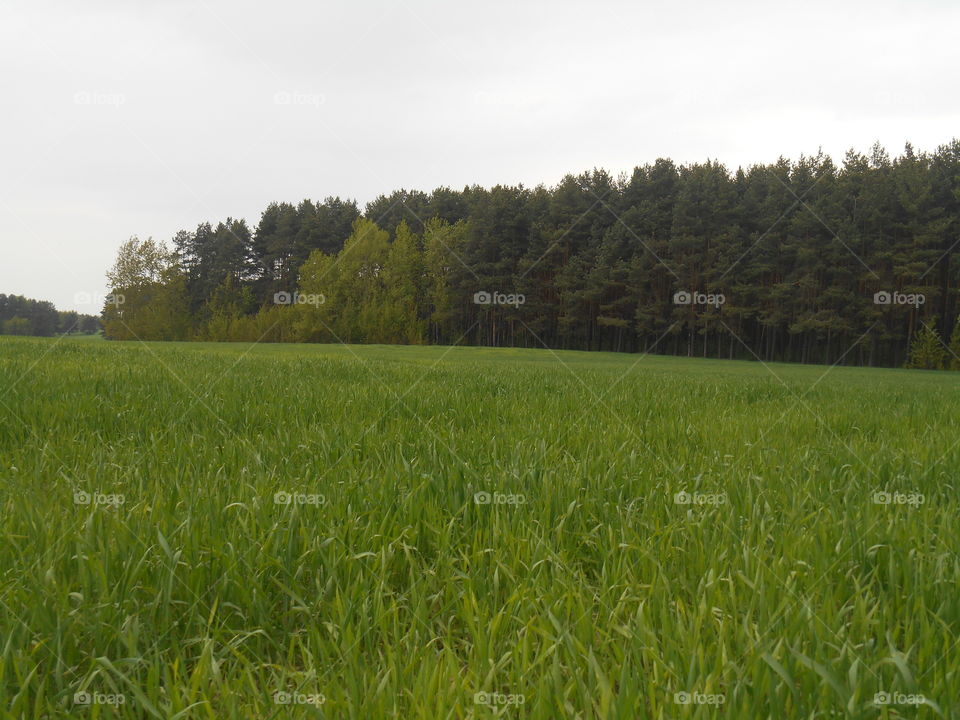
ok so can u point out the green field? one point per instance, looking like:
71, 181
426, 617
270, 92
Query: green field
150, 556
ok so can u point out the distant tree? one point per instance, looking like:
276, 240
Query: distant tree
90, 324
228, 305
286, 236
403, 279
410, 206
360, 286
69, 321
41, 317
17, 326
926, 351
319, 282
148, 294
351, 285
442, 244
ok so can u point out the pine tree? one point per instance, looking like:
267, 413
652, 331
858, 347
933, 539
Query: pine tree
926, 351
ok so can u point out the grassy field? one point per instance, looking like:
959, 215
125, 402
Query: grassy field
220, 531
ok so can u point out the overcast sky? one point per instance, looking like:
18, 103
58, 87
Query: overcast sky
123, 118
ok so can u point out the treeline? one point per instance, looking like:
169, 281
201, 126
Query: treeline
22, 316
797, 261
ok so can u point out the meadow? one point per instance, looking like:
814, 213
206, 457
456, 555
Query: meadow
316, 531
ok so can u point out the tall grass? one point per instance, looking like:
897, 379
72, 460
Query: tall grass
814, 566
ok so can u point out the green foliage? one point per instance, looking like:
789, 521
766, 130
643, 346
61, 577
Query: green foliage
148, 294
23, 316
227, 309
926, 351
358, 283
353, 288
17, 326
320, 278
441, 244
403, 280
797, 249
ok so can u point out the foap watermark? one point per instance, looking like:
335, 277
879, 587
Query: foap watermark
95, 698
85, 97
285, 97
884, 497
699, 698
898, 698
483, 297
286, 498
693, 297
498, 498
493, 699
82, 497
698, 498
98, 300
885, 297
282, 697
295, 298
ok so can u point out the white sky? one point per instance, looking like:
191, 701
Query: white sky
123, 118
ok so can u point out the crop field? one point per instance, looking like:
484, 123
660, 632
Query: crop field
315, 531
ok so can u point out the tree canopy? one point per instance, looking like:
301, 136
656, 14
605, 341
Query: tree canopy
805, 261
22, 316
